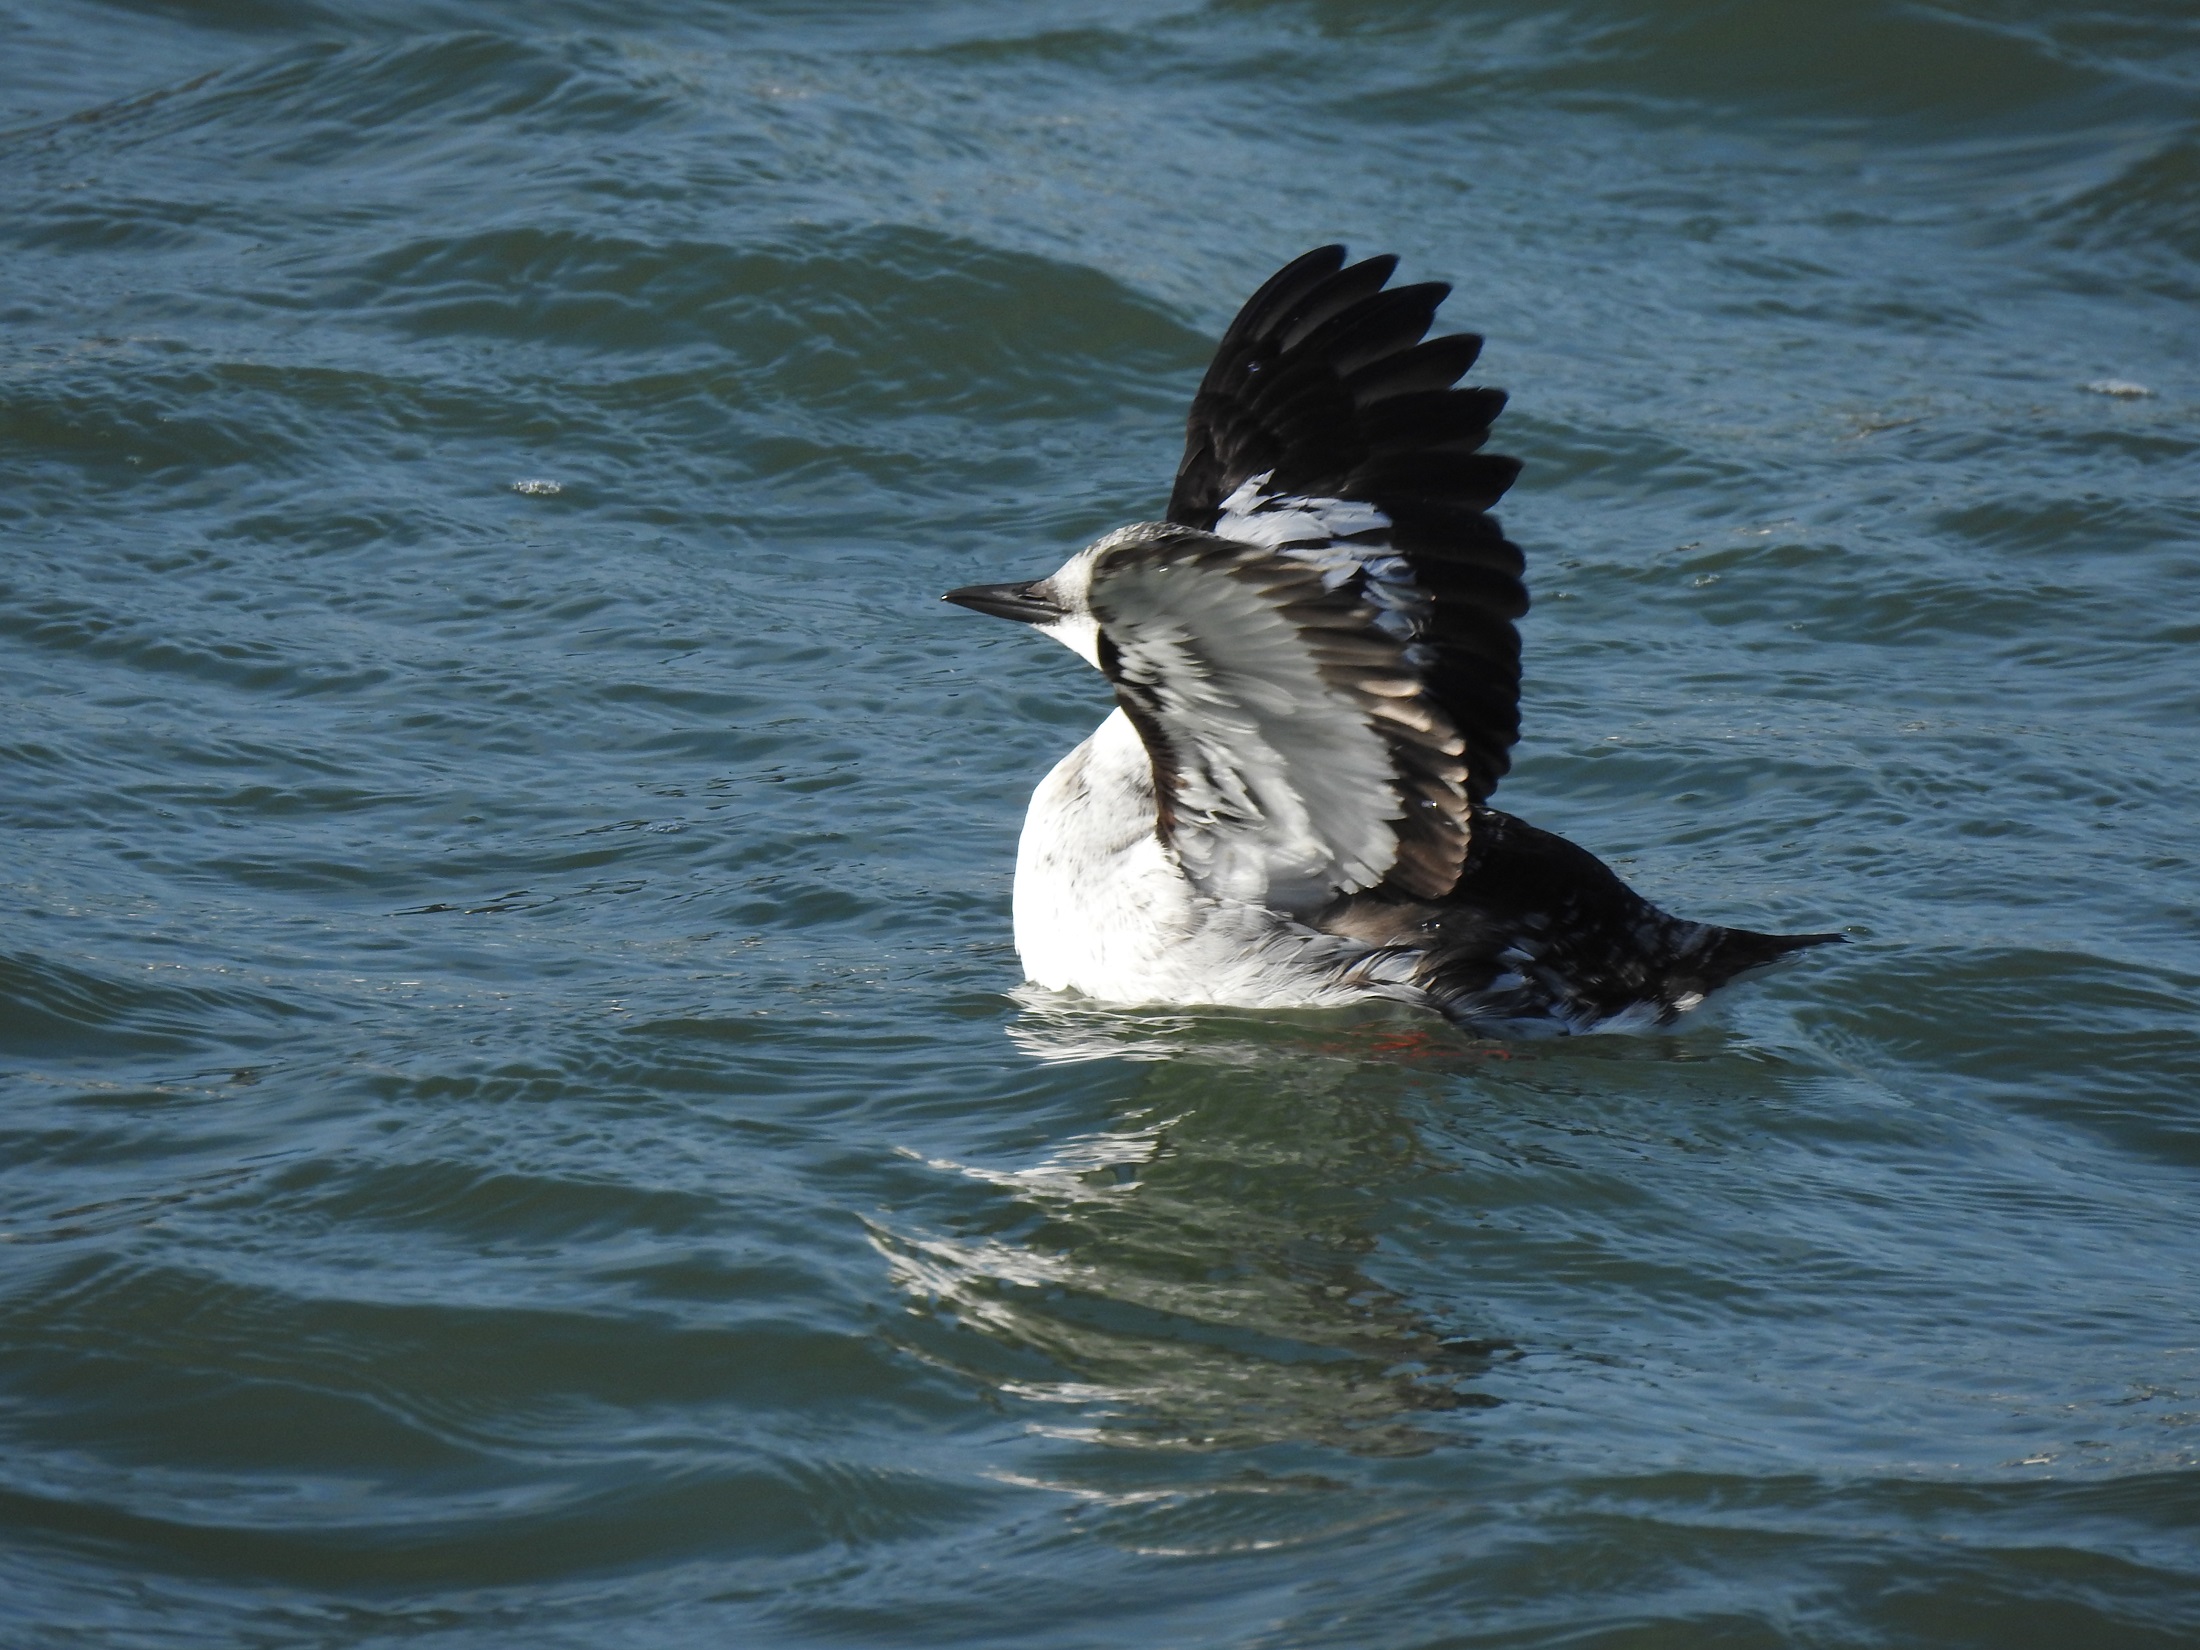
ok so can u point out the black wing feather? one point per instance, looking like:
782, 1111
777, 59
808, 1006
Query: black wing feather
1333, 297
1328, 384
1436, 364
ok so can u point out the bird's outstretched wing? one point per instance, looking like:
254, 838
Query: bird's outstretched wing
1328, 430
1297, 753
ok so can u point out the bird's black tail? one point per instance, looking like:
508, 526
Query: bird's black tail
1738, 950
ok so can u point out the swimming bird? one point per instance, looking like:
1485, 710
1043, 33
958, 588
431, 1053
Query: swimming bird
1317, 684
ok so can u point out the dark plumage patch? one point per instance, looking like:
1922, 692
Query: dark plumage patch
1327, 383
1542, 932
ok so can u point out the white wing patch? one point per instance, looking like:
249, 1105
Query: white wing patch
1294, 751
1253, 515
1281, 792
1338, 536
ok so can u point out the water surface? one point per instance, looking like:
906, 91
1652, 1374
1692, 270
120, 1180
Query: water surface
516, 1123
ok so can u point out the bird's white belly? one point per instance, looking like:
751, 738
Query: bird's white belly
1102, 908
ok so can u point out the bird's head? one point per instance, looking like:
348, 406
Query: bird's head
1059, 604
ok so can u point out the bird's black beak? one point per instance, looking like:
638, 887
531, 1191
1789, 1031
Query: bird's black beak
1007, 601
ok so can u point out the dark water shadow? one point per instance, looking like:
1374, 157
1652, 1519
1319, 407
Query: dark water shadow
1196, 1275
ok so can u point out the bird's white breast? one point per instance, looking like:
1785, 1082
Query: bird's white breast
1102, 907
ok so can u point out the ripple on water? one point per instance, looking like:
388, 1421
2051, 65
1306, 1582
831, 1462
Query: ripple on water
2153, 202
50, 1009
514, 1126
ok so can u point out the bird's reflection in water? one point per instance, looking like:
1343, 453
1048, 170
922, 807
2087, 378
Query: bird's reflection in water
1195, 1277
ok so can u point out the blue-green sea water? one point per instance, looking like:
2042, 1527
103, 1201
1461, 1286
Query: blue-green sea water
517, 1127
